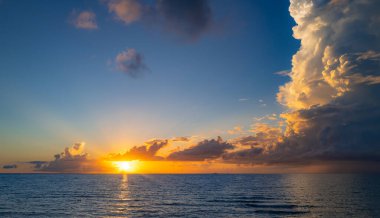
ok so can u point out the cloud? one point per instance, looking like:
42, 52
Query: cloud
146, 152
283, 73
127, 11
332, 99
204, 150
235, 130
10, 166
269, 117
84, 20
180, 139
37, 164
131, 62
72, 159
188, 19
265, 139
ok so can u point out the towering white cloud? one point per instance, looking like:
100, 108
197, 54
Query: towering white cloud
333, 97
339, 50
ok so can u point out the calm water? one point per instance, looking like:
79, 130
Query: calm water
190, 195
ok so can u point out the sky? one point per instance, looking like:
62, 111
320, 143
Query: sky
192, 86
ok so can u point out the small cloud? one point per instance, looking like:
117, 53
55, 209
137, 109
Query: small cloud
130, 62
10, 166
272, 117
243, 99
283, 73
262, 104
84, 20
127, 11
235, 130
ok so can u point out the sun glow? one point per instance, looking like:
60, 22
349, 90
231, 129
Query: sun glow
125, 166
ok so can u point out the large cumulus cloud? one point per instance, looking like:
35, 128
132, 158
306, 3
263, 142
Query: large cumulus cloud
332, 99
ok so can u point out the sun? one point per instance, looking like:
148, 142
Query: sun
125, 166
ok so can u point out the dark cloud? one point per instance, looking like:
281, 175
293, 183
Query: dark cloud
147, 151
204, 150
188, 19
131, 63
37, 164
10, 166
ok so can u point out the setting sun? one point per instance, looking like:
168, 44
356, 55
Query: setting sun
125, 166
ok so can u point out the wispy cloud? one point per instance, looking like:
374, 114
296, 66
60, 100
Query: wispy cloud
283, 73
269, 117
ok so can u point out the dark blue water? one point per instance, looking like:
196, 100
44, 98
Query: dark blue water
315, 195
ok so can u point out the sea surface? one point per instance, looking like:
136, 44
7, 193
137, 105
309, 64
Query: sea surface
216, 195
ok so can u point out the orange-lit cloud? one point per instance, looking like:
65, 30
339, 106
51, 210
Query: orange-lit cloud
332, 100
127, 11
333, 109
147, 151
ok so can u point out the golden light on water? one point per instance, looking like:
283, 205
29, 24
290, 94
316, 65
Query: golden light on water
125, 166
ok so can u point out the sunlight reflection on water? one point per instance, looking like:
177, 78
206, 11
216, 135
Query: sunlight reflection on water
189, 195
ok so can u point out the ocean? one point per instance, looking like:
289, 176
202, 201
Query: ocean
211, 195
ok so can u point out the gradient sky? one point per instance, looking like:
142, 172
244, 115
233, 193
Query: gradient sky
61, 83
58, 88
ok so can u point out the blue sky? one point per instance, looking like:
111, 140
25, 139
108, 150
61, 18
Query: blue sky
59, 83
